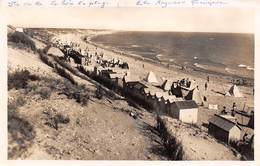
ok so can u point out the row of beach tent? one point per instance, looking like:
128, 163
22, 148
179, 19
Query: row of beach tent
151, 78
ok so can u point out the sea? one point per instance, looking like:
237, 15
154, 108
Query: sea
226, 53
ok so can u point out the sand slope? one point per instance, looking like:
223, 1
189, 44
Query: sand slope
196, 143
100, 130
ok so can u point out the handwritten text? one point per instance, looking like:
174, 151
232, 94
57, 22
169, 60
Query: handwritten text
116, 3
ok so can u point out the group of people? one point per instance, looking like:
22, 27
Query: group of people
233, 110
185, 82
70, 45
70, 48
112, 63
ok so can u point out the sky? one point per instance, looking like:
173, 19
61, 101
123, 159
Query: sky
234, 20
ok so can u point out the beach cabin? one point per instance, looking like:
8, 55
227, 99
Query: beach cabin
224, 129
186, 111
163, 103
77, 57
155, 99
135, 90
159, 105
149, 98
104, 77
117, 79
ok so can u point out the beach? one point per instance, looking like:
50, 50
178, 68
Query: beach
140, 66
114, 128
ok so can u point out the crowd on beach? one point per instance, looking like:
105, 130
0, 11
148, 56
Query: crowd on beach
69, 47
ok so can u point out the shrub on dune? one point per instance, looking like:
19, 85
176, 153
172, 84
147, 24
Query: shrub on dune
20, 37
19, 79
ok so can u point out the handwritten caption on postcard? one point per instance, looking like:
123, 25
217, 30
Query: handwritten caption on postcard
181, 3
120, 3
59, 3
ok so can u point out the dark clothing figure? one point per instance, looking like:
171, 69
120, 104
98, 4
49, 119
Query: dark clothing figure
233, 111
205, 98
208, 78
188, 84
206, 86
234, 107
224, 112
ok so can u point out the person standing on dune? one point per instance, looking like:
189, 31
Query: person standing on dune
206, 86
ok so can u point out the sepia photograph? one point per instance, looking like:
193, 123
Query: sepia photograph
132, 94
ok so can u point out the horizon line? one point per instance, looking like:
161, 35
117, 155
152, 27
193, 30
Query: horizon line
131, 30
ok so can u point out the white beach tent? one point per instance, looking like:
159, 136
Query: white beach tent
151, 78
167, 84
194, 95
234, 91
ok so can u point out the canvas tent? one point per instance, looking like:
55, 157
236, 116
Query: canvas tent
194, 95
234, 91
167, 85
151, 78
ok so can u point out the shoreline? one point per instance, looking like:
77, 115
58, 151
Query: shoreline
200, 72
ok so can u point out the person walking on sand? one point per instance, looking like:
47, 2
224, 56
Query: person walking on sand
208, 78
233, 111
206, 86
234, 106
